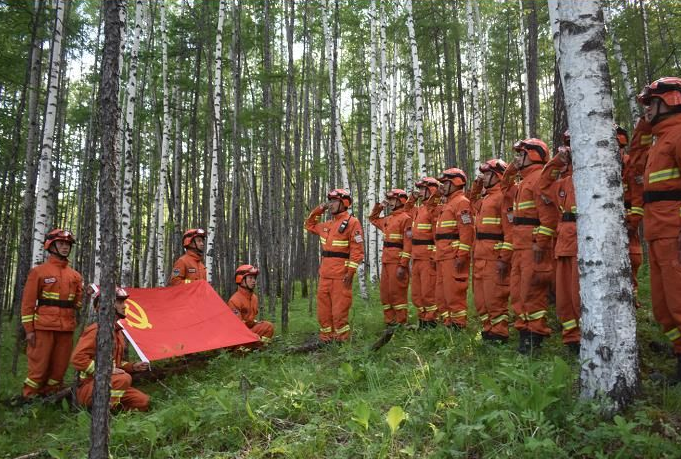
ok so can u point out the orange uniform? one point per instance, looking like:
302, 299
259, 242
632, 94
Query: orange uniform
529, 286
51, 295
633, 203
559, 190
244, 303
188, 268
423, 258
662, 225
454, 235
490, 293
342, 243
83, 360
396, 229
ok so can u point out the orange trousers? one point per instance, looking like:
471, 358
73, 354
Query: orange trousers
491, 297
265, 330
451, 288
423, 278
665, 288
568, 302
394, 295
122, 393
636, 260
333, 307
48, 361
529, 300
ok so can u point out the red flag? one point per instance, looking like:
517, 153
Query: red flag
183, 319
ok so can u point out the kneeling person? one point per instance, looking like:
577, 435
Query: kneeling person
244, 303
83, 360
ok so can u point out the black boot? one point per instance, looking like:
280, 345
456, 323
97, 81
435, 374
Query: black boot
573, 348
493, 338
535, 341
485, 335
524, 345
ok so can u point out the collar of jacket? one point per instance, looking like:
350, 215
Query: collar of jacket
194, 255
455, 193
667, 124
496, 188
397, 211
244, 291
530, 169
341, 215
55, 260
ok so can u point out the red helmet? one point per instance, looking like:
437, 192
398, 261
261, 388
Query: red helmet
429, 182
454, 175
536, 150
189, 236
518, 146
121, 293
397, 193
243, 271
622, 135
666, 88
58, 234
498, 166
95, 292
342, 195
566, 138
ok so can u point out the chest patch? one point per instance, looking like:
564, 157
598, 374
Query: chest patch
191, 270
466, 217
358, 237
50, 280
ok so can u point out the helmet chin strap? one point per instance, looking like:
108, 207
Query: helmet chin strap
673, 110
56, 253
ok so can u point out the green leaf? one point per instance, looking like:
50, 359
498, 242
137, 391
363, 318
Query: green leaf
362, 413
394, 418
56, 454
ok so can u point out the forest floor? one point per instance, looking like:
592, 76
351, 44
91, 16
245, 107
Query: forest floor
432, 393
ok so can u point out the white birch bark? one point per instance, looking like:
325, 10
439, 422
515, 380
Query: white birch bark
45, 168
393, 120
610, 369
523, 74
372, 196
131, 100
217, 89
418, 97
624, 68
411, 120
480, 50
340, 151
385, 120
475, 106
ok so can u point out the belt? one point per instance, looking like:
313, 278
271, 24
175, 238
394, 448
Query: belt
627, 204
526, 221
449, 236
422, 242
397, 245
328, 254
667, 195
490, 236
569, 217
57, 303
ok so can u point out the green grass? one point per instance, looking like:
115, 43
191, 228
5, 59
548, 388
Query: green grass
425, 394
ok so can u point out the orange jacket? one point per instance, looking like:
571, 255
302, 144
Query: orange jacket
662, 181
641, 141
342, 252
633, 203
83, 357
244, 303
188, 268
559, 190
396, 229
490, 226
422, 228
51, 295
455, 229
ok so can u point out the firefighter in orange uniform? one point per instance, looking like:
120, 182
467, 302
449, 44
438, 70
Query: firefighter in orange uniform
633, 204
556, 186
423, 250
530, 280
396, 229
342, 243
490, 291
454, 235
662, 208
244, 303
189, 267
123, 395
52, 293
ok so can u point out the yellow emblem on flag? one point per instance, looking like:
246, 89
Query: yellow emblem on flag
135, 315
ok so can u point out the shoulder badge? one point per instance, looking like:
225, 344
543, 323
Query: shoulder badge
561, 193
466, 217
408, 233
509, 216
176, 272
236, 312
358, 237
50, 280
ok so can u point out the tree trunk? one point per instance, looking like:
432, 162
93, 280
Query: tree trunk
475, 105
524, 72
532, 70
624, 69
646, 42
418, 97
109, 118
463, 138
610, 371
372, 195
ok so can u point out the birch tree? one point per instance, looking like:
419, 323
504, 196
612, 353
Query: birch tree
609, 369
418, 97
523, 72
40, 223
475, 105
217, 129
623, 67
372, 196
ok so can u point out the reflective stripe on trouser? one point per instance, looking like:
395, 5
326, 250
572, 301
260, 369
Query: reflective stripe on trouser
531, 299
334, 300
451, 288
128, 397
567, 298
394, 295
490, 297
665, 288
423, 278
47, 360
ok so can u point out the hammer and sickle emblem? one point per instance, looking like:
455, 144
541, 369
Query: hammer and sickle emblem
135, 315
